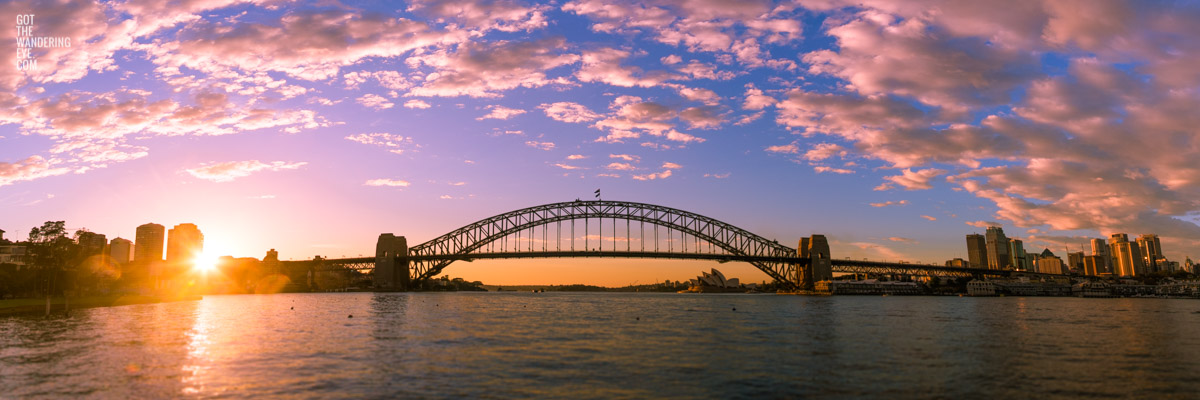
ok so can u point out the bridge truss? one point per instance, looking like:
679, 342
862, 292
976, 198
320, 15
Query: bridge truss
530, 229
618, 229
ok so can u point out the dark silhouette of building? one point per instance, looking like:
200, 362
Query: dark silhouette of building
997, 248
120, 250
185, 242
977, 251
92, 243
148, 243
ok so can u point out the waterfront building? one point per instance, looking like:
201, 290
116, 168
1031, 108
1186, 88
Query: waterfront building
1016, 252
977, 251
872, 287
1048, 263
715, 280
1188, 265
997, 248
1093, 265
958, 263
91, 243
185, 242
981, 288
271, 264
1101, 249
1075, 262
148, 243
12, 254
1151, 251
1127, 256
1167, 265
146, 267
120, 250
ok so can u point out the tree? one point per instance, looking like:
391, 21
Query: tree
50, 253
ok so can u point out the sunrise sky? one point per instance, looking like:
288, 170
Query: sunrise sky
894, 128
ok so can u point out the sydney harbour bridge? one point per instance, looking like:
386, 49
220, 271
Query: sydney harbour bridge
617, 229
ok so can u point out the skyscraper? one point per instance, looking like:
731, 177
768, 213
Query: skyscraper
1075, 262
997, 248
976, 251
148, 243
1100, 249
1151, 251
120, 250
1127, 256
184, 244
1016, 254
92, 243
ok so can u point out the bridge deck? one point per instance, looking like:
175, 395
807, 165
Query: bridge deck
839, 265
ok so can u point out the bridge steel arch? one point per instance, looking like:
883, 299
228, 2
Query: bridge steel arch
430, 258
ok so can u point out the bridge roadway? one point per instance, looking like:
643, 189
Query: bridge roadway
840, 266
397, 266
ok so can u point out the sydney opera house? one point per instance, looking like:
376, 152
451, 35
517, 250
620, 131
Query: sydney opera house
714, 282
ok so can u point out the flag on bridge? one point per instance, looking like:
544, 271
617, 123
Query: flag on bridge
597, 193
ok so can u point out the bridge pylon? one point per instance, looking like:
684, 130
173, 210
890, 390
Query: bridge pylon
392, 265
819, 267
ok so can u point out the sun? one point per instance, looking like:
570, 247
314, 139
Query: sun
205, 263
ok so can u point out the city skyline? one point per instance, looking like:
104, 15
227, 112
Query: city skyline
889, 128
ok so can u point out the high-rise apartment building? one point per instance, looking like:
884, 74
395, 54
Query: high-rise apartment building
91, 243
1126, 255
1075, 262
1101, 249
184, 244
1016, 254
148, 243
120, 250
997, 248
1151, 251
976, 251
1093, 265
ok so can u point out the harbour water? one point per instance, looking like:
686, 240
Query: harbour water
608, 345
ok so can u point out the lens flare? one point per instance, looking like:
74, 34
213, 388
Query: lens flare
205, 263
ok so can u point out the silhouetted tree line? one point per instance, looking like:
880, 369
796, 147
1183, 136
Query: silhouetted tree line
56, 265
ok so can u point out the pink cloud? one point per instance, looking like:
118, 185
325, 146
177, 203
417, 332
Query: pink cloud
387, 182
480, 69
649, 177
540, 145
32, 167
393, 143
375, 101
915, 180
500, 112
482, 16
621, 167
820, 169
890, 203
822, 151
604, 66
784, 148
230, 170
566, 111
310, 45
416, 104
702, 117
